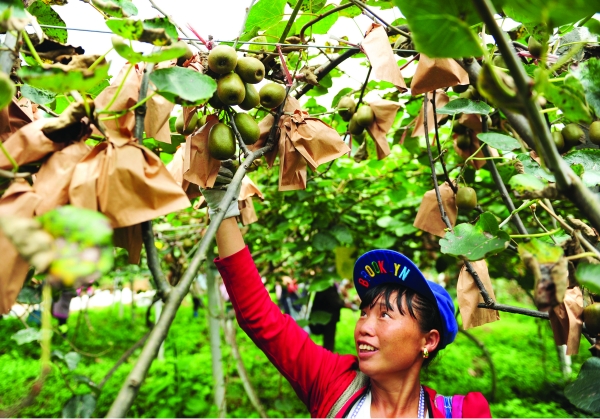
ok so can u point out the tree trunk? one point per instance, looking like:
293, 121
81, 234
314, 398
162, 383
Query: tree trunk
215, 340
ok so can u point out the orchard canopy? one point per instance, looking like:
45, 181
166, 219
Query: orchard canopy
463, 134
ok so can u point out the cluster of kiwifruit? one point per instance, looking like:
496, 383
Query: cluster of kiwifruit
572, 135
235, 87
359, 118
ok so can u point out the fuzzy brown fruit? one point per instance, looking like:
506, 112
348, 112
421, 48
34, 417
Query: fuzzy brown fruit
364, 116
595, 132
222, 59
251, 100
271, 95
247, 127
346, 107
591, 317
466, 198
221, 142
573, 135
231, 89
250, 69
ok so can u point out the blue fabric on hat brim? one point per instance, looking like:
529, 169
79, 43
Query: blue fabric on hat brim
384, 266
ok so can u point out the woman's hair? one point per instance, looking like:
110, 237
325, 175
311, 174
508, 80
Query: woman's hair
424, 311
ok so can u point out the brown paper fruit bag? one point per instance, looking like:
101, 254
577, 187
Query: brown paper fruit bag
566, 320
28, 145
130, 239
378, 49
177, 167
201, 168
127, 183
385, 114
429, 218
54, 177
441, 99
12, 118
19, 200
469, 296
292, 166
437, 73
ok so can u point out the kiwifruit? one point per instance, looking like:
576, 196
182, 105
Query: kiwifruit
201, 121
247, 127
221, 142
251, 99
559, 140
534, 46
8, 89
463, 141
591, 317
354, 127
498, 61
222, 59
231, 89
271, 95
573, 135
460, 88
250, 69
364, 116
595, 132
193, 121
346, 107
466, 198
215, 102
458, 128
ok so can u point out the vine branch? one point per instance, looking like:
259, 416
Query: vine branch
515, 310
567, 181
486, 297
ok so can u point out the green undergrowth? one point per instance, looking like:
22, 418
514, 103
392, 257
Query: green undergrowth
529, 378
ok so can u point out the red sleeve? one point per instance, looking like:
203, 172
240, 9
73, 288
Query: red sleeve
316, 374
476, 406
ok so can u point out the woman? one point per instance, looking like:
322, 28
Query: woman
405, 320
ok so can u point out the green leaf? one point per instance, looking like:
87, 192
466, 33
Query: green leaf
126, 28
475, 242
339, 95
385, 241
569, 98
583, 392
351, 11
174, 50
17, 9
7, 91
342, 233
27, 335
465, 106
323, 25
61, 81
30, 295
72, 360
319, 317
589, 159
161, 23
532, 167
311, 6
588, 275
324, 241
554, 12
523, 182
275, 31
182, 84
588, 74
80, 406
159, 31
86, 227
441, 29
40, 96
46, 15
116, 8
264, 14
543, 251
499, 141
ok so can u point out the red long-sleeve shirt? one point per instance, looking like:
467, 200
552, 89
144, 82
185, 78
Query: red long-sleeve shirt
318, 376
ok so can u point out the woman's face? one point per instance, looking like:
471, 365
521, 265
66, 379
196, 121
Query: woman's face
388, 342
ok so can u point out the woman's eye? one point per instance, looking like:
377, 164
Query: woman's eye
385, 314
363, 313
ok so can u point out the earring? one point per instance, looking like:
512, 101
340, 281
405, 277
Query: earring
425, 353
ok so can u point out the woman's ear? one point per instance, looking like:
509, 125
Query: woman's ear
432, 340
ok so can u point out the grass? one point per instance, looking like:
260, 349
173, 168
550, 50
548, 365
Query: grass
529, 378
